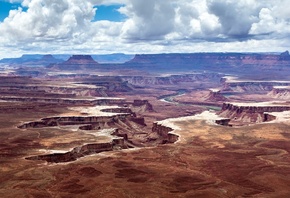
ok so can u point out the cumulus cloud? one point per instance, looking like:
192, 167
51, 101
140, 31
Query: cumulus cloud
48, 20
236, 17
273, 20
150, 19
108, 2
60, 26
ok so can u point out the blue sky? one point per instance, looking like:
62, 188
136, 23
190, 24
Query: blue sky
5, 7
143, 26
104, 12
109, 12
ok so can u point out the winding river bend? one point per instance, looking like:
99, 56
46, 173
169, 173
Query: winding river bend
170, 99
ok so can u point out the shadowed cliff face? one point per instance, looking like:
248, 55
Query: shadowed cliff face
251, 113
119, 136
253, 86
117, 143
237, 63
129, 130
269, 66
215, 96
209, 58
280, 93
164, 132
87, 86
77, 62
182, 79
32, 60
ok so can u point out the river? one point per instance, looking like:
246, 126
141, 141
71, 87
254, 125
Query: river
170, 99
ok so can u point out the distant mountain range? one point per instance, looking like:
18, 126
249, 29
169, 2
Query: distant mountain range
45, 60
249, 64
254, 65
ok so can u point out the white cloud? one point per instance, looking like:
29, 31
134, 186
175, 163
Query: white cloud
48, 20
273, 20
236, 17
108, 2
58, 26
150, 19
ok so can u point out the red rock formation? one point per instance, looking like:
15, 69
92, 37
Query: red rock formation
141, 106
75, 153
87, 149
280, 93
74, 120
252, 86
172, 79
255, 109
79, 102
222, 62
77, 62
251, 113
118, 110
164, 132
268, 117
224, 122
215, 96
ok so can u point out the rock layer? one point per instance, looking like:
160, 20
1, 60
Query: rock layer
251, 113
280, 92
87, 149
164, 132
77, 62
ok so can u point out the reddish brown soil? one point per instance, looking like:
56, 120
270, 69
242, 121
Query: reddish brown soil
212, 161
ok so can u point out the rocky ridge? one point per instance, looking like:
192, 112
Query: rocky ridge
252, 112
172, 79
117, 143
76, 62
280, 92
232, 84
220, 62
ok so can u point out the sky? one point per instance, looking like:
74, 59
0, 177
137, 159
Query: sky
143, 26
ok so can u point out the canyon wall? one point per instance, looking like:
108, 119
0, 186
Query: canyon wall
280, 93
252, 86
251, 113
241, 63
254, 109
76, 102
141, 106
164, 132
74, 120
117, 143
172, 79
79, 152
76, 62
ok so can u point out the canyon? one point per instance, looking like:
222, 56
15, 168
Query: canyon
149, 125
252, 112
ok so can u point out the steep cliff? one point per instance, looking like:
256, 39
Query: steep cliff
232, 84
214, 96
76, 120
76, 62
78, 152
141, 106
110, 83
172, 79
104, 101
280, 92
164, 132
28, 60
251, 112
242, 63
